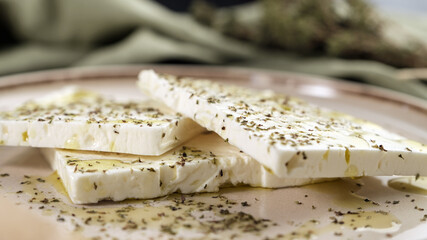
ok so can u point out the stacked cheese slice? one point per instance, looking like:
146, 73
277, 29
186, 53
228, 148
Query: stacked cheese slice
106, 149
288, 136
203, 164
77, 119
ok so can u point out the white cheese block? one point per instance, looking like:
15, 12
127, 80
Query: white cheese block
203, 164
289, 136
77, 119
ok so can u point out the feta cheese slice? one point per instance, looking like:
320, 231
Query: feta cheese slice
203, 164
287, 135
77, 119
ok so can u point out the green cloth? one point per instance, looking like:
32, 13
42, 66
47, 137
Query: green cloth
45, 34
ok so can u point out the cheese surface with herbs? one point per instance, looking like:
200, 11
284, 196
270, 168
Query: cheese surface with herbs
287, 135
73, 118
203, 164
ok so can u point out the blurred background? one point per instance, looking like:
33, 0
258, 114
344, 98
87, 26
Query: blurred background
379, 42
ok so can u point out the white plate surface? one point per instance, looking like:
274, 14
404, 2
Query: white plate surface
291, 209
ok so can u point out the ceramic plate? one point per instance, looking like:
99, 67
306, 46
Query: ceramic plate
34, 205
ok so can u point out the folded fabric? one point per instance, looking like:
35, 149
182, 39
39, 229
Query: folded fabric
44, 34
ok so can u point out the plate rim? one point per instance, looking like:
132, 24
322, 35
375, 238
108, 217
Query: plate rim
225, 72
